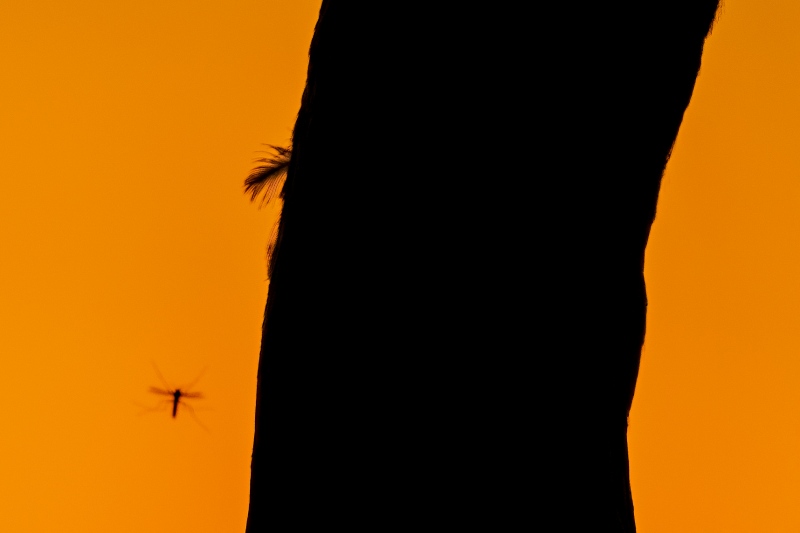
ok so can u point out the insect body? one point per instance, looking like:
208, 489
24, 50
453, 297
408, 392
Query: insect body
176, 394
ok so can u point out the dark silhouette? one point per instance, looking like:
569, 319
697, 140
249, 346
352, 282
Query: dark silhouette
177, 393
266, 180
457, 302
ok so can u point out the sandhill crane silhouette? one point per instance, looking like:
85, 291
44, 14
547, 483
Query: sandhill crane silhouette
457, 303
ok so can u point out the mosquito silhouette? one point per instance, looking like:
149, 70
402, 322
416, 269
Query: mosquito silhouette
178, 394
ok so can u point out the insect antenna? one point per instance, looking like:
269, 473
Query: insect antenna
160, 377
194, 382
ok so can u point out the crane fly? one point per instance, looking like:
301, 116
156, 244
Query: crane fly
177, 395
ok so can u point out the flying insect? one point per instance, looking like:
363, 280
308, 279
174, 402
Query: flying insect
178, 395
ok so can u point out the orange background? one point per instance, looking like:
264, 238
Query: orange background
126, 130
715, 425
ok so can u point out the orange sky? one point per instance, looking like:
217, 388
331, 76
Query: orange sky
127, 129
715, 425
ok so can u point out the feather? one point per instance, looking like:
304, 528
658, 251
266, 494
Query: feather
267, 179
